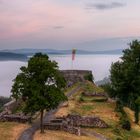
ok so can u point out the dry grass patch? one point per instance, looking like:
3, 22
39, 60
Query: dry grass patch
64, 111
130, 114
104, 110
11, 130
59, 135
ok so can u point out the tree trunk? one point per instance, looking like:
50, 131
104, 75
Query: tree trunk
41, 121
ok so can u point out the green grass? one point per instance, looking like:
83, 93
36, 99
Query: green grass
126, 135
90, 87
83, 98
82, 109
67, 90
87, 107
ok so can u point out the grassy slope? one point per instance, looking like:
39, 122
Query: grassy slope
11, 130
104, 110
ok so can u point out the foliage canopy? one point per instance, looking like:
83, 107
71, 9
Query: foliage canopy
125, 78
40, 84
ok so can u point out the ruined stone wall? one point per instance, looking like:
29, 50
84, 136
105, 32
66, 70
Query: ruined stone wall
74, 76
73, 123
86, 121
15, 118
12, 105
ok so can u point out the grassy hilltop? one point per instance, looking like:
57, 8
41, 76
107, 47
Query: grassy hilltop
85, 106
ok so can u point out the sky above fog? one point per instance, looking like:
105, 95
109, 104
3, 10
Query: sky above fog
67, 24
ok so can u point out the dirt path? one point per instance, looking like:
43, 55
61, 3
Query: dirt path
28, 133
97, 135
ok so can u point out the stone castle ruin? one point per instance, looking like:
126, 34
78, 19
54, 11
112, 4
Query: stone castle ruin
75, 76
74, 123
71, 77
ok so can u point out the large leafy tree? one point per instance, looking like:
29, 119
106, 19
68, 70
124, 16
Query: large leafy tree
125, 78
40, 84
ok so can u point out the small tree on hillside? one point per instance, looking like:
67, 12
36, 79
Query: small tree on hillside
40, 84
125, 78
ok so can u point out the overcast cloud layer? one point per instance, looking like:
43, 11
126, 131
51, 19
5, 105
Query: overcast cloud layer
66, 24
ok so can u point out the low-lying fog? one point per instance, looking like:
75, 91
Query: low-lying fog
99, 64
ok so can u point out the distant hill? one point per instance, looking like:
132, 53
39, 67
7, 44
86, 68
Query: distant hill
22, 54
12, 56
28, 52
106, 80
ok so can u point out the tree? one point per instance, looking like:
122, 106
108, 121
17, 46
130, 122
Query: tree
125, 78
40, 85
89, 77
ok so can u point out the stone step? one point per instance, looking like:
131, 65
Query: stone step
57, 121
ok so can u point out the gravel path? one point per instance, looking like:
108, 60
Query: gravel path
28, 133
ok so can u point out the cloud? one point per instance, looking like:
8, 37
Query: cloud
104, 6
58, 27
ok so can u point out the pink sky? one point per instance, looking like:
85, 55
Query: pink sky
63, 21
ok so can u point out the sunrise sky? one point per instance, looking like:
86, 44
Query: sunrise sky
66, 24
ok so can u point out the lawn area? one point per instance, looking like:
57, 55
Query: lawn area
11, 130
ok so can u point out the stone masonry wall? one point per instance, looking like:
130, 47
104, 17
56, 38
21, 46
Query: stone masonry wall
73, 123
74, 76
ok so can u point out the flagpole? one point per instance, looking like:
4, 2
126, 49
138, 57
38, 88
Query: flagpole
73, 57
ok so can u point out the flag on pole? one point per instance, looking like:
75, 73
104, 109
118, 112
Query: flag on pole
73, 54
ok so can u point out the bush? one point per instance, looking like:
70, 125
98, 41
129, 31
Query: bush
117, 131
125, 124
124, 120
89, 77
81, 99
119, 107
119, 138
100, 100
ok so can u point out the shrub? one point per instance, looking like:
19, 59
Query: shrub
81, 99
119, 107
89, 77
100, 100
125, 124
119, 138
124, 120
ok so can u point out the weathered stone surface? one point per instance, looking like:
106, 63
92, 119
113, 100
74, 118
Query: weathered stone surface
15, 118
65, 104
74, 76
94, 94
12, 105
3, 113
72, 123
86, 121
63, 127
